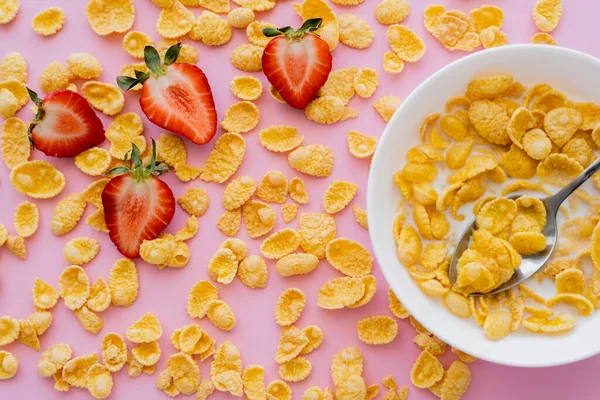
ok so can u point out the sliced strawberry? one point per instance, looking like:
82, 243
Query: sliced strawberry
175, 96
65, 124
297, 62
137, 205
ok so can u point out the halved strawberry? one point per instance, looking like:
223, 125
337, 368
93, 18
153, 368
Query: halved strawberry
65, 124
297, 62
175, 96
137, 205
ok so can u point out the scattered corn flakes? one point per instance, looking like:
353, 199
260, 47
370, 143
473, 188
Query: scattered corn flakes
456, 381
378, 329
8, 103
258, 217
280, 138
280, 244
211, 29
247, 57
104, 97
221, 315
386, 106
313, 159
113, 16
349, 257
18, 90
390, 12
345, 363
49, 21
406, 43
426, 371
340, 292
289, 212
253, 382
81, 250
273, 188
225, 158
26, 219
392, 63
230, 222
493, 37
175, 21
37, 179
296, 264
355, 32
100, 297
295, 370
252, 271
543, 38
123, 282
200, 296
76, 369
246, 87
9, 330
240, 18
546, 14
145, 330
316, 232
74, 287
325, 110
53, 359
16, 148
134, 43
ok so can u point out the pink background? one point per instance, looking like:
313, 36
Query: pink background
164, 292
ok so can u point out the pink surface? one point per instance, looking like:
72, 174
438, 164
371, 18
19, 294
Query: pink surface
164, 292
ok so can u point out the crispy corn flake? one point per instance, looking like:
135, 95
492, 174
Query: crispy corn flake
8, 103
49, 21
84, 65
16, 245
590, 113
99, 381
225, 158
81, 250
16, 148
496, 215
561, 123
392, 63
3, 235
279, 390
291, 343
13, 66
378, 329
194, 201
426, 371
67, 213
315, 338
396, 306
253, 382
313, 159
366, 82
256, 5
497, 324
147, 354
338, 195
37, 179
238, 192
330, 30
340, 292
114, 351
211, 29
26, 219
97, 220
19, 90
246, 87
186, 173
221, 315
74, 287
492, 37
273, 188
563, 322
386, 106
275, 95
360, 216
316, 232
355, 32
100, 297
9, 330
370, 289
280, 244
241, 117
175, 21
558, 169
94, 162
297, 190
200, 296
240, 17
390, 12
349, 257
346, 362
289, 212
185, 373
518, 164
570, 281
104, 97
28, 335
123, 282
145, 330
409, 246
289, 306
543, 38
546, 14
253, 273
280, 138
490, 121
44, 295
223, 266
456, 381
295, 370
296, 264
521, 121
340, 84
53, 359
406, 43
114, 16
134, 43
254, 32
247, 57
487, 16
258, 217
578, 301
230, 222
90, 321
353, 387
76, 369
325, 110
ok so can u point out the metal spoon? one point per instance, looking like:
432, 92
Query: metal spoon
530, 264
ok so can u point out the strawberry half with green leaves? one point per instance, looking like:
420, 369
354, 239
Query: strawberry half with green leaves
297, 62
175, 96
65, 124
137, 205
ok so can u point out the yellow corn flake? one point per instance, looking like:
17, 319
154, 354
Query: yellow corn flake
325, 110
280, 138
230, 222
246, 87
297, 191
360, 216
134, 43
366, 82
386, 106
378, 329
390, 12
44, 295
67, 213
184, 372
289, 307
125, 130
237, 246
8, 103
123, 282
94, 162
349, 257
256, 5
546, 14
222, 267
558, 169
13, 66
313, 159
355, 32
543, 38
406, 43
3, 235
221, 315
497, 324
19, 90
392, 63
458, 153
53, 359
76, 369
456, 381
289, 212
330, 30
536, 144
157, 251
104, 97
528, 243
175, 21
396, 306
100, 297
16, 245
451, 125
49, 21
84, 65
338, 195
253, 382
296, 264
9, 330
74, 287
26, 219
145, 330
114, 16
340, 84
517, 164
247, 57
99, 381
450, 28
490, 121
590, 113
340, 292
186, 173
492, 37
81, 250
194, 201
409, 246
579, 150
253, 273
225, 158
353, 387
487, 16
258, 217
561, 323
345, 363
16, 148
426, 371
241, 117
280, 244
316, 232
89, 320
147, 354
28, 335
211, 29
273, 188
430, 343
279, 390
200, 296
560, 124
254, 32
295, 370
570, 281
496, 215
37, 179
40, 320
580, 302
227, 366
291, 343
240, 17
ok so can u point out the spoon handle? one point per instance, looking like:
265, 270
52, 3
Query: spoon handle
559, 197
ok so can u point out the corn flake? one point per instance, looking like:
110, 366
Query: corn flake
490, 121
89, 320
295, 370
314, 159
273, 188
253, 382
325, 110
392, 63
175, 21
53, 359
252, 271
247, 57
26, 219
18, 90
94, 162
74, 287
9, 11
221, 315
37, 179
349, 257
104, 97
280, 138
9, 330
406, 43
145, 330
106, 17
13, 66
355, 32
240, 17
225, 158
390, 12
386, 106
8, 103
546, 14
409, 246
81, 250
289, 307
230, 222
340, 292
211, 29
340, 84
134, 43
543, 38
280, 244
558, 169
426, 371
76, 369
84, 65
16, 148
378, 329
123, 282
194, 201
456, 381
246, 88
493, 37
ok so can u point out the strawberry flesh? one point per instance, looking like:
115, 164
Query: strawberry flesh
66, 125
297, 68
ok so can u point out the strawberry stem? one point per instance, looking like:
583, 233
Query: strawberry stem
155, 65
309, 26
139, 172
39, 114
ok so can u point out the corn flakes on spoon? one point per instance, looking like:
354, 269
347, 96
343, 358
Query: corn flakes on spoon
530, 264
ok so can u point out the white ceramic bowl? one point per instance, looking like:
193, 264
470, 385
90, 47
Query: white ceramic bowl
574, 73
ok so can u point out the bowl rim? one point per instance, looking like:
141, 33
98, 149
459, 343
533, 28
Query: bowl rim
372, 197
